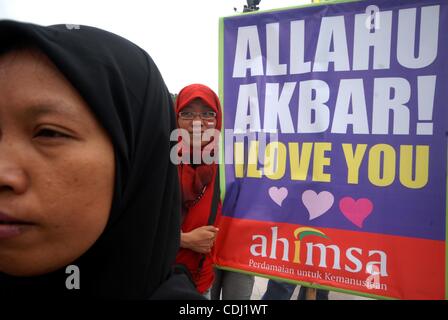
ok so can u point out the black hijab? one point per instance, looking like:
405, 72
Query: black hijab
123, 87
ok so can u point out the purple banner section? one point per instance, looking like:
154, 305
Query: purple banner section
370, 120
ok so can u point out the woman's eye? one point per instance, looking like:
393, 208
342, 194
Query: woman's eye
49, 133
187, 115
209, 114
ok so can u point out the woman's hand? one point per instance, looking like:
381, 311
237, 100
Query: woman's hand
200, 239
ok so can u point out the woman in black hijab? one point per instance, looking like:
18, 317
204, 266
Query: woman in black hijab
85, 175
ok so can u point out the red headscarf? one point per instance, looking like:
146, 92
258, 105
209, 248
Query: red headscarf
197, 190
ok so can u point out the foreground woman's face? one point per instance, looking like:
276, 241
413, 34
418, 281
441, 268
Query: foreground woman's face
56, 168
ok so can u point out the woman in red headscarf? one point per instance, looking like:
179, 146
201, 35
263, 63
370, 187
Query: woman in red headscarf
198, 110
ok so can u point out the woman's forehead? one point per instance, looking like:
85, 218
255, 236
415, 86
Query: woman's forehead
31, 87
197, 105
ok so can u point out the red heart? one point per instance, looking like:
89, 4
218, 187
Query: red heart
356, 210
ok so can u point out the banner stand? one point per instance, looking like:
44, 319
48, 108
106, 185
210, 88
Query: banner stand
311, 294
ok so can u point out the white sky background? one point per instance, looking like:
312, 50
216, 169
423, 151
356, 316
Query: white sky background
180, 35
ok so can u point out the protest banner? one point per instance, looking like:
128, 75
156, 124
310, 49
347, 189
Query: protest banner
334, 171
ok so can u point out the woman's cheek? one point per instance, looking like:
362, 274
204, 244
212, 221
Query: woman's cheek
75, 201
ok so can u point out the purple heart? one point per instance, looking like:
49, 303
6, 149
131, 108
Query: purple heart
278, 194
317, 204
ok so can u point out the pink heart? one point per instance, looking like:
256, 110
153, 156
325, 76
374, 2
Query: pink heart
356, 210
278, 195
317, 204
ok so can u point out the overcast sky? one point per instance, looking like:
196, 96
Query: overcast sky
180, 35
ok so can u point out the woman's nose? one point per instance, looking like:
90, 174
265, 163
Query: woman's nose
13, 178
197, 123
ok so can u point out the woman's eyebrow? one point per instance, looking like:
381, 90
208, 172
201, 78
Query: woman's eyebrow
41, 109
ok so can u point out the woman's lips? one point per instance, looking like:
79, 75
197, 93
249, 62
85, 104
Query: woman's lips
10, 226
9, 231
